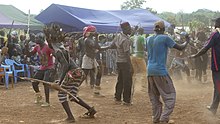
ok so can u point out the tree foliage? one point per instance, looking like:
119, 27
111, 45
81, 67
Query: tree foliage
201, 18
151, 10
195, 20
132, 4
169, 17
136, 4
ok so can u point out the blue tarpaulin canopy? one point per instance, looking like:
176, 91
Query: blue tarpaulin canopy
106, 21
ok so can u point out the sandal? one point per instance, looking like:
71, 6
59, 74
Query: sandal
90, 113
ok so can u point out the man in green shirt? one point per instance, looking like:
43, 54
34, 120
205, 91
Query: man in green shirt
138, 57
138, 42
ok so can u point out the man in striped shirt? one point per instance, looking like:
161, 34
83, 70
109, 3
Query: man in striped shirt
214, 44
71, 78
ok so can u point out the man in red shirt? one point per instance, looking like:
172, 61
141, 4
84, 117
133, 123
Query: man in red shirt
45, 72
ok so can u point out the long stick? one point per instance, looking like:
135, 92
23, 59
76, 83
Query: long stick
28, 24
9, 33
52, 85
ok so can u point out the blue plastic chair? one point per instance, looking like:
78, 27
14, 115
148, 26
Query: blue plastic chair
7, 73
23, 70
27, 70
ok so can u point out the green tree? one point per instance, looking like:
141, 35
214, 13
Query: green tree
151, 10
197, 19
169, 17
196, 25
132, 4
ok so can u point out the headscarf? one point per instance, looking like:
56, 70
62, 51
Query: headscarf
87, 30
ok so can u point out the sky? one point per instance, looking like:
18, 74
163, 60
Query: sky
175, 6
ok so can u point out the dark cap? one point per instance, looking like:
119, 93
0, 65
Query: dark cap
217, 22
125, 25
215, 19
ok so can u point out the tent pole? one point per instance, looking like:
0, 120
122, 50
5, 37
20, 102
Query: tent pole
28, 24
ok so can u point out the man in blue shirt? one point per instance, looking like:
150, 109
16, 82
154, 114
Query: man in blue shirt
159, 81
214, 44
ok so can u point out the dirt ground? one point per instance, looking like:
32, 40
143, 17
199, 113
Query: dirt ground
17, 105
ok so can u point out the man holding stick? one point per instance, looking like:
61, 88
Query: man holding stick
71, 77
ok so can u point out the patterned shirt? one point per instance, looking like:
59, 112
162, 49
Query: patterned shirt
122, 43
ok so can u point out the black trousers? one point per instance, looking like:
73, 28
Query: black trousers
92, 75
46, 75
124, 82
99, 73
216, 96
95, 79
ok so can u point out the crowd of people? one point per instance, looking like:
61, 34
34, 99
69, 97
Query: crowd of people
68, 61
